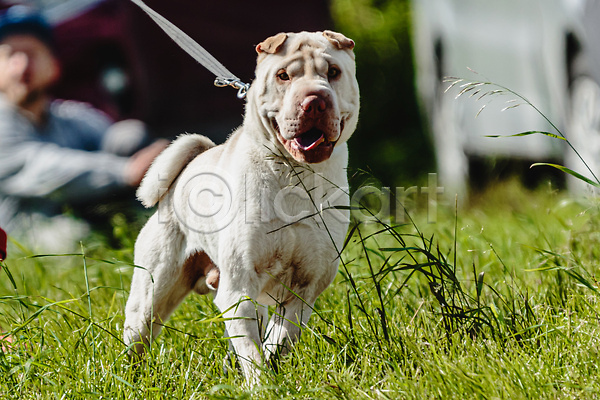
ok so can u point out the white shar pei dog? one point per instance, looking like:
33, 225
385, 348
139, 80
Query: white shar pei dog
260, 219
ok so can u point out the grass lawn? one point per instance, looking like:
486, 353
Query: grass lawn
499, 302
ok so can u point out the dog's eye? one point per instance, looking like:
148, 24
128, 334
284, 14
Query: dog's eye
333, 73
282, 75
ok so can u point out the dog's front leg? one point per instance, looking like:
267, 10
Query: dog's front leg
242, 325
285, 327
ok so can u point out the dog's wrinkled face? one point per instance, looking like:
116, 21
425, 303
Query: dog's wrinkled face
306, 92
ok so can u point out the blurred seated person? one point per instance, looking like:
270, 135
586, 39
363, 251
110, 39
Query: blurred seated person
56, 153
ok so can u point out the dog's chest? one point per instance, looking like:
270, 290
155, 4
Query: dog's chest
296, 230
297, 257
284, 195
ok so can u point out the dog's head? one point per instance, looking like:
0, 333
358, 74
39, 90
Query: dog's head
305, 92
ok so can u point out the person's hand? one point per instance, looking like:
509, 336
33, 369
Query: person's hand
12, 70
140, 162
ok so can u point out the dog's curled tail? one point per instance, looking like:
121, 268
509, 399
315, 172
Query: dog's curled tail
168, 165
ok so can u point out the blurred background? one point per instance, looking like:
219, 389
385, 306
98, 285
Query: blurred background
548, 51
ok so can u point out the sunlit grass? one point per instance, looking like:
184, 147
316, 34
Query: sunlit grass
511, 313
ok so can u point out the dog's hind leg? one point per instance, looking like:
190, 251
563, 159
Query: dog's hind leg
161, 281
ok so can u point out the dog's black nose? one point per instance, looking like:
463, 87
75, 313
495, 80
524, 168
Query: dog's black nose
313, 106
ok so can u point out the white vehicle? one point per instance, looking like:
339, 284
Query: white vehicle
545, 50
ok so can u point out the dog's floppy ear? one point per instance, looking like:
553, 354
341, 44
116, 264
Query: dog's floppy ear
272, 45
338, 40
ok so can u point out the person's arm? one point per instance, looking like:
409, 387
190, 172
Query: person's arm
33, 168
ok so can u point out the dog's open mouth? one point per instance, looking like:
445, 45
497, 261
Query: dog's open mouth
310, 139
309, 146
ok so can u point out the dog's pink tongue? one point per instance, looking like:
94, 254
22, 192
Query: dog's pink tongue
311, 139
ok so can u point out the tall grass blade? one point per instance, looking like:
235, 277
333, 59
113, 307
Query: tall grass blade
527, 133
10, 277
505, 90
570, 172
480, 284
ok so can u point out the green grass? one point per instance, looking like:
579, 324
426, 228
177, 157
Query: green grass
499, 302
